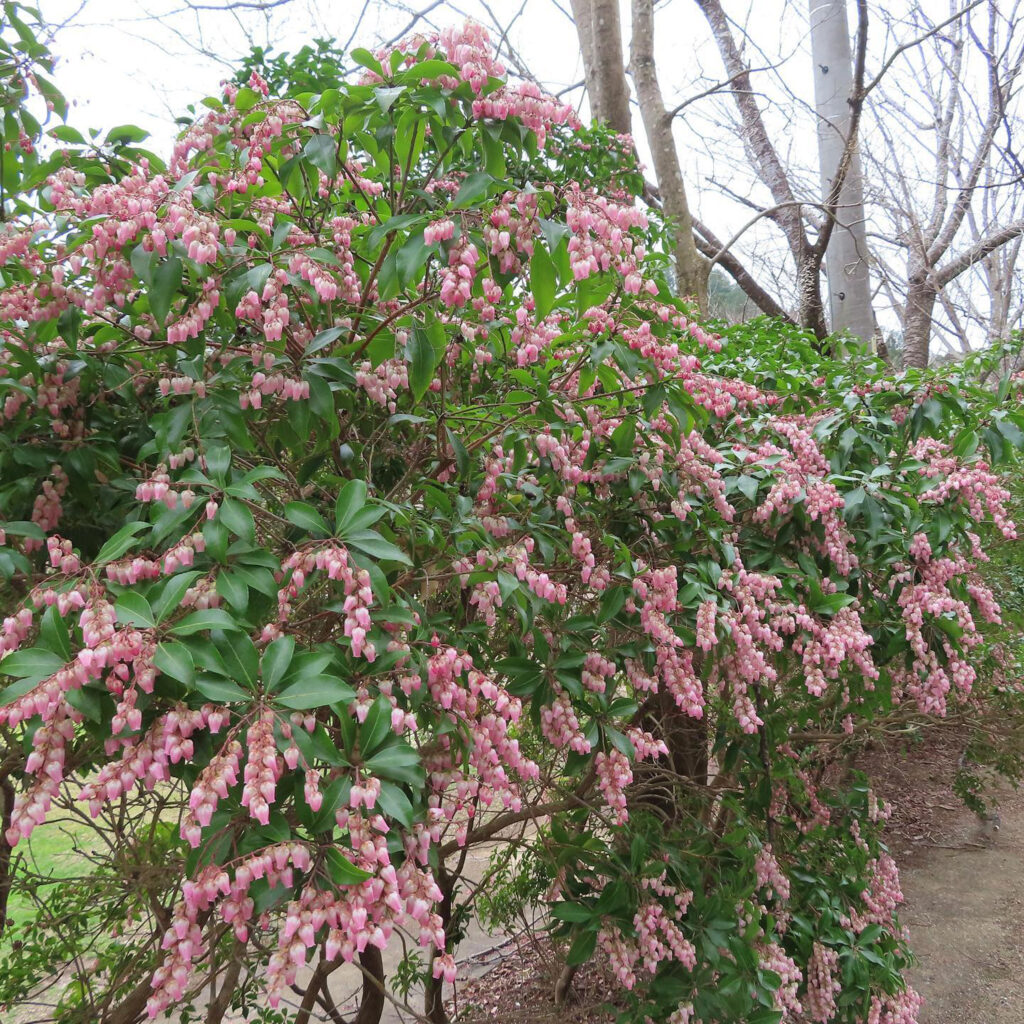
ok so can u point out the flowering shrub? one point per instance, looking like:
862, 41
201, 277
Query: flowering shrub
369, 492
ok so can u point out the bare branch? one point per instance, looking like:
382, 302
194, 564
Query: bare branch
894, 56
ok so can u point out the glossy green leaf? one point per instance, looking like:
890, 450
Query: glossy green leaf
373, 544
31, 663
207, 618
351, 499
167, 278
276, 660
133, 610
342, 870
314, 692
175, 660
306, 518
542, 281
423, 361
122, 542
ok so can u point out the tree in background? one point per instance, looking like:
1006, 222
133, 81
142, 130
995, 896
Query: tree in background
945, 208
838, 100
952, 200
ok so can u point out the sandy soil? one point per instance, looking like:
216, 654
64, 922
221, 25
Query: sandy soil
965, 911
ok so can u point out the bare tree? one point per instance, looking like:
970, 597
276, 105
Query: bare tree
847, 261
600, 36
948, 178
743, 100
807, 225
691, 267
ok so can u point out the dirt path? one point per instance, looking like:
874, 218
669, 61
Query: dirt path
965, 912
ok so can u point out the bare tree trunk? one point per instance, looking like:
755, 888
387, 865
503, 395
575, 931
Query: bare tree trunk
371, 1002
691, 267
811, 305
766, 161
600, 35
563, 986
6, 807
764, 156
849, 281
917, 321
433, 988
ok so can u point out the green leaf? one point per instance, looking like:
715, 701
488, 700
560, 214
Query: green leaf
611, 604
237, 518
853, 500
367, 59
18, 528
322, 152
829, 604
133, 610
252, 280
123, 541
342, 870
389, 225
206, 618
542, 281
126, 133
386, 96
215, 534
175, 660
373, 544
553, 231
232, 587
1011, 432
221, 690
88, 701
376, 727
398, 762
423, 361
242, 660
306, 518
577, 913
166, 281
54, 633
395, 804
747, 486
765, 1016
582, 948
32, 663
351, 498
411, 259
620, 741
276, 659
315, 692
473, 189
169, 599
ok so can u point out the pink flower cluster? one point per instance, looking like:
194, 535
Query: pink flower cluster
332, 559
614, 775
769, 874
822, 984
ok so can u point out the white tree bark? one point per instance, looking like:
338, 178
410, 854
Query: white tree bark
846, 259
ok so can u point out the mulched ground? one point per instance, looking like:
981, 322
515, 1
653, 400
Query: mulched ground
915, 772
520, 989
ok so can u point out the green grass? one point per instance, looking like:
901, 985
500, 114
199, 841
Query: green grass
50, 852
